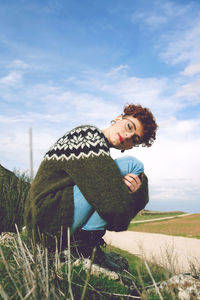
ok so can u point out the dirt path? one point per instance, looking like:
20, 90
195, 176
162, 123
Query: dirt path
160, 219
175, 253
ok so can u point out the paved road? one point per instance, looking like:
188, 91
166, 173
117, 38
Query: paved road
160, 219
175, 253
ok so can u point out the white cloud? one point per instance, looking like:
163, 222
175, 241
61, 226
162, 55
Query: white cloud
176, 194
66, 104
11, 79
33, 118
173, 9
178, 44
18, 64
139, 88
190, 91
162, 95
117, 70
156, 93
191, 69
152, 20
180, 41
161, 13
183, 45
179, 130
155, 20
15, 149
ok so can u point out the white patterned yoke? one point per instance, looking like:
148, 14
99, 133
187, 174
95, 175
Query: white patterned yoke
79, 143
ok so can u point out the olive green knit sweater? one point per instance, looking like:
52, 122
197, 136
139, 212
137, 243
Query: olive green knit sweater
81, 157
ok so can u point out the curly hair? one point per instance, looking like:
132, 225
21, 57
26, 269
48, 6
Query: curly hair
145, 116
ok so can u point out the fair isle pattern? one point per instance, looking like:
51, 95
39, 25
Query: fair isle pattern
81, 142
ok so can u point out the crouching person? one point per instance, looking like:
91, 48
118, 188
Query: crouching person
79, 186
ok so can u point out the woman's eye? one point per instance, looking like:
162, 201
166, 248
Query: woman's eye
129, 126
136, 139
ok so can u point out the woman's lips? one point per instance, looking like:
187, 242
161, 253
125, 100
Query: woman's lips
120, 139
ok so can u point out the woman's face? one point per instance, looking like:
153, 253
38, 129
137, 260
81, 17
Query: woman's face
125, 133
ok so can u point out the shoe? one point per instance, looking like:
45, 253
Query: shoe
82, 244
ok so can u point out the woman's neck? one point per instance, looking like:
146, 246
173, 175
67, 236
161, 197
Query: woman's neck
106, 132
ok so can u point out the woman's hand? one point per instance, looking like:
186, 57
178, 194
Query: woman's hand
132, 181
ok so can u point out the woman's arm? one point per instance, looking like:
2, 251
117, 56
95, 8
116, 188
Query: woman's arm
132, 181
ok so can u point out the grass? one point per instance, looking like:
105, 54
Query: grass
28, 272
188, 226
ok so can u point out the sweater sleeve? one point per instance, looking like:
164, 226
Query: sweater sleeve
85, 157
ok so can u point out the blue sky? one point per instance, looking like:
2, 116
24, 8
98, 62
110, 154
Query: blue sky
72, 62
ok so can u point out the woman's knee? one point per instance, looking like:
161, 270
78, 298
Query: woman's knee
130, 164
135, 164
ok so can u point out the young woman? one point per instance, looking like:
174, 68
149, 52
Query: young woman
79, 185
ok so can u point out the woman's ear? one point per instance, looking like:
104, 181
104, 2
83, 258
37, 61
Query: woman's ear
118, 118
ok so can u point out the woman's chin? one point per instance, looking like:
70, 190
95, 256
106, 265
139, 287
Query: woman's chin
118, 147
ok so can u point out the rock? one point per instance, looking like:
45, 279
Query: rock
95, 269
120, 276
98, 270
184, 286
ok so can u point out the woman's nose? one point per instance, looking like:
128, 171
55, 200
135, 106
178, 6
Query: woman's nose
129, 135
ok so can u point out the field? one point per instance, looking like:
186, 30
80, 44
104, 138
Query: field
188, 226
